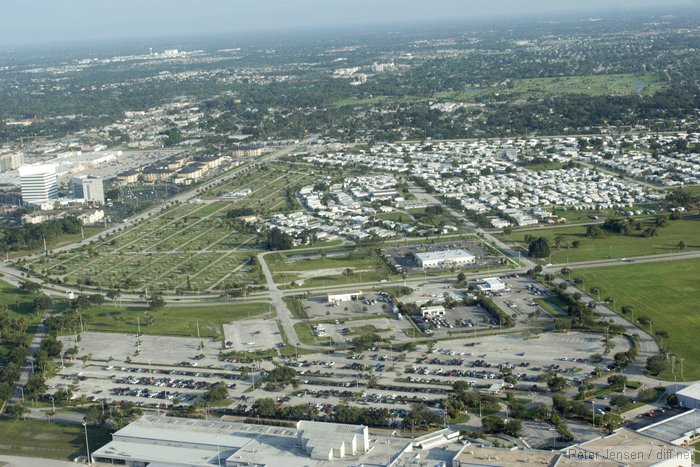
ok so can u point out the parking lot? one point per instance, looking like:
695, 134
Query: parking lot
167, 371
369, 303
248, 336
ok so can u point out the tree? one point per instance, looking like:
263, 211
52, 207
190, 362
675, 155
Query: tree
279, 240
420, 417
155, 301
594, 231
539, 248
619, 400
681, 245
513, 427
29, 286
42, 302
656, 364
216, 393
265, 407
617, 382
17, 411
492, 424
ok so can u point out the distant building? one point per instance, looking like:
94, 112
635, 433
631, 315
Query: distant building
39, 183
343, 297
88, 188
430, 311
444, 259
11, 161
491, 284
247, 151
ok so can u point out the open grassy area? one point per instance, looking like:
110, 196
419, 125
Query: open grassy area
171, 320
613, 245
328, 267
666, 292
54, 441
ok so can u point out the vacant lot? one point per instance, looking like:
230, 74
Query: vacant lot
666, 292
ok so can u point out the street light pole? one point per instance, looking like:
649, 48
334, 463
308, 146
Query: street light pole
87, 445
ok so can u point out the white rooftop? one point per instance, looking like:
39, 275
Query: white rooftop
692, 391
444, 255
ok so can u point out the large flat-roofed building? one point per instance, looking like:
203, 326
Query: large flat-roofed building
39, 182
689, 397
682, 429
155, 440
623, 448
444, 259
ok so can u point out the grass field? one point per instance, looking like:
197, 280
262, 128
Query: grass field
54, 441
171, 320
666, 292
616, 246
317, 270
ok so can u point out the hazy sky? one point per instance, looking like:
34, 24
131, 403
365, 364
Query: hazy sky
51, 21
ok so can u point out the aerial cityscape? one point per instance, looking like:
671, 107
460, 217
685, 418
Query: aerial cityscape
323, 235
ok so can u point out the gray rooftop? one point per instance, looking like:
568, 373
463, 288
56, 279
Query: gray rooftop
675, 427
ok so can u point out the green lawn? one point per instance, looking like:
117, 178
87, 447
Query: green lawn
616, 246
172, 320
666, 292
55, 441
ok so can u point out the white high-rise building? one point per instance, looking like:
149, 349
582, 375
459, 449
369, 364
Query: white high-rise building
39, 182
89, 188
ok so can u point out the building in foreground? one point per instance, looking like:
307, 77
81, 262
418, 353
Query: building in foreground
39, 183
621, 449
444, 259
689, 397
682, 429
161, 440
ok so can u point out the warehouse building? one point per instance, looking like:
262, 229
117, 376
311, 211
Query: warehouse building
682, 429
444, 259
160, 440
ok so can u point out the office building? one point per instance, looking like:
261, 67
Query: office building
39, 183
88, 188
